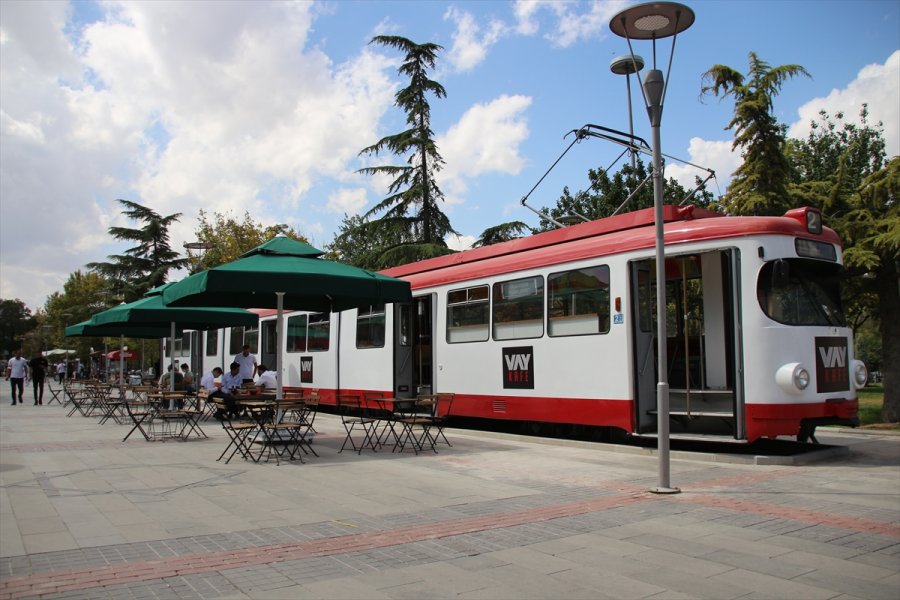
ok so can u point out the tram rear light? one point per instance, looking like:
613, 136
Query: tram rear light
618, 304
860, 374
793, 378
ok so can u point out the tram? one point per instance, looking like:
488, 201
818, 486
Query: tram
558, 329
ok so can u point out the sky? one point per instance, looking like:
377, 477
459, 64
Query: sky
263, 107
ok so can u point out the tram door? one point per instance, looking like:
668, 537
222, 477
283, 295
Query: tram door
643, 298
701, 355
413, 351
267, 347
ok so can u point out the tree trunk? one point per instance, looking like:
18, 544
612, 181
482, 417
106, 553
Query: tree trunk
889, 302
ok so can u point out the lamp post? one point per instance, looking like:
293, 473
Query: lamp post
199, 248
653, 21
628, 65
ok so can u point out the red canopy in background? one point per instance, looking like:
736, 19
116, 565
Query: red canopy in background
127, 355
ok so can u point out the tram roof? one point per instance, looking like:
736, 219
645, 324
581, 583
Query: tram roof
616, 234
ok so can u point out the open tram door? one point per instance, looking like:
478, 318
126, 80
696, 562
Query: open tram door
267, 349
413, 348
703, 350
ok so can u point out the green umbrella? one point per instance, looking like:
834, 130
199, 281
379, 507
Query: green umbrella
152, 311
285, 273
86, 329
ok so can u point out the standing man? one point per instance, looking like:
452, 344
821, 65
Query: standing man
38, 366
61, 372
247, 362
16, 372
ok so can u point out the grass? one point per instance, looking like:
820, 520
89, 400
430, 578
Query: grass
871, 399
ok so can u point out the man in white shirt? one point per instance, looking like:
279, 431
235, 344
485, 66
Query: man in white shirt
266, 378
16, 372
247, 362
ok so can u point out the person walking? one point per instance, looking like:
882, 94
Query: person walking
247, 362
38, 366
61, 372
16, 372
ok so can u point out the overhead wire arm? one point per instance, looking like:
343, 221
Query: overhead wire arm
534, 187
630, 141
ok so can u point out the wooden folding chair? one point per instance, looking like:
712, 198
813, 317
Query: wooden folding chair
54, 395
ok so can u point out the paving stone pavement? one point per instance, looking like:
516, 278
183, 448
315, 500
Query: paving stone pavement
84, 515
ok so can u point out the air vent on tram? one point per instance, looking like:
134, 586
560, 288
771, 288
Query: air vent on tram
498, 406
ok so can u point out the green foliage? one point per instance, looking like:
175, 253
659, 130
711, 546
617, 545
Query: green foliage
414, 197
229, 238
759, 185
145, 265
15, 322
503, 232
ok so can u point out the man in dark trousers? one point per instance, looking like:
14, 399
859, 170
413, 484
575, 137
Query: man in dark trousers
38, 366
16, 372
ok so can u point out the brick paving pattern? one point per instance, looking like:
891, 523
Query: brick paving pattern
489, 518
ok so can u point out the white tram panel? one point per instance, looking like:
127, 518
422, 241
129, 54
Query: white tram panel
368, 368
309, 369
564, 366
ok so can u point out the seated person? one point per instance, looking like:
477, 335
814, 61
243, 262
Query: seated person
266, 379
213, 382
188, 378
165, 381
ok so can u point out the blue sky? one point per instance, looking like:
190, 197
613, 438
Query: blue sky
257, 106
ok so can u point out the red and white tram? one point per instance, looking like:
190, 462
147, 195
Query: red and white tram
558, 328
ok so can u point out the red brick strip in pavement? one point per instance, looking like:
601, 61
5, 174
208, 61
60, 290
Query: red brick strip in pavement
81, 579
802, 515
62, 581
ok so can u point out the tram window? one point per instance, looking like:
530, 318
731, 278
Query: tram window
251, 338
370, 327
185, 346
296, 333
237, 340
578, 302
518, 309
212, 342
796, 291
468, 315
319, 332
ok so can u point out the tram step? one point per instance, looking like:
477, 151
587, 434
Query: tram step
695, 413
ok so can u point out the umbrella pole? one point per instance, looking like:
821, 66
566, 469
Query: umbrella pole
172, 350
279, 339
121, 357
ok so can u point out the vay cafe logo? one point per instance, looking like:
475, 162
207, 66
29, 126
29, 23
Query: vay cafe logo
306, 369
832, 372
518, 368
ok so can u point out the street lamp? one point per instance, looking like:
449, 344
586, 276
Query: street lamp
628, 65
200, 248
653, 21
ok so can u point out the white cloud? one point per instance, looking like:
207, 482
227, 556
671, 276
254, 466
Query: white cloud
877, 85
486, 139
470, 43
460, 242
161, 104
349, 201
715, 155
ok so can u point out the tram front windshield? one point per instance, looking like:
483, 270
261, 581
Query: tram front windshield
797, 291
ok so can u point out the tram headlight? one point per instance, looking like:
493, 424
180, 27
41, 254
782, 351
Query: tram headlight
793, 378
860, 374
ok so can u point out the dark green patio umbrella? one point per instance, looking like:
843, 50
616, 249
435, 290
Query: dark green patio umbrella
86, 329
283, 273
151, 311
